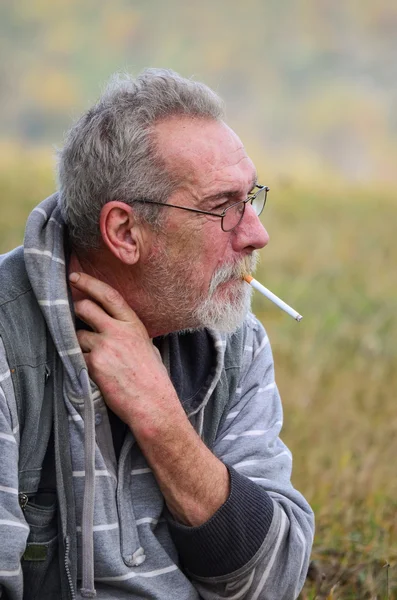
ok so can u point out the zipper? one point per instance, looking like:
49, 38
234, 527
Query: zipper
67, 569
23, 499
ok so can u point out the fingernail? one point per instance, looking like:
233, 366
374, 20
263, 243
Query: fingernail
74, 277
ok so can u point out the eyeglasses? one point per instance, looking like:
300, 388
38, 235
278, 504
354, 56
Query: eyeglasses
233, 214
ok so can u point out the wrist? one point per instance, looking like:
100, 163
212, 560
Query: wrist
155, 422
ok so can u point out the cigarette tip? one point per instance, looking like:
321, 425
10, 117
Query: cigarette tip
299, 318
247, 278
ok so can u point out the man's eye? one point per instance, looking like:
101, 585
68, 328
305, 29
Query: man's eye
223, 206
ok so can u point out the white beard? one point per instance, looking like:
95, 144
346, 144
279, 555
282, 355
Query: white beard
227, 315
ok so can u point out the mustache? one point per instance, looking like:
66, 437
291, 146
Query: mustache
236, 270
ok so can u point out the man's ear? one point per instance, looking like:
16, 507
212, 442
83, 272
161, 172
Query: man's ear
121, 233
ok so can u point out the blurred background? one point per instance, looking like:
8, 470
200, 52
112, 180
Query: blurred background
311, 88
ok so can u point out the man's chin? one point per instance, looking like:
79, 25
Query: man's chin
225, 313
228, 290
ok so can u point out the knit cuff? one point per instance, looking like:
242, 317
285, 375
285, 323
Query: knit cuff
232, 536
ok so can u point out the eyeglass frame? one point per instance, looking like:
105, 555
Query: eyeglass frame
250, 198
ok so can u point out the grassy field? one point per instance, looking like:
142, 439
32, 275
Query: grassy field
332, 256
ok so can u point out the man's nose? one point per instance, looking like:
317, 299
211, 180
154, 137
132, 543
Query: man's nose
250, 233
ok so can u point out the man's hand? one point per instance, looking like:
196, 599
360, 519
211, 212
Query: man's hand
127, 368
121, 358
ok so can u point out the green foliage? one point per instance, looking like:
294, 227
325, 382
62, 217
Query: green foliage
315, 81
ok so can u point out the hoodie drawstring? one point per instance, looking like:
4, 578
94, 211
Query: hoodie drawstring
87, 525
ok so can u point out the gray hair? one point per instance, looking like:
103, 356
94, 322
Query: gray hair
111, 154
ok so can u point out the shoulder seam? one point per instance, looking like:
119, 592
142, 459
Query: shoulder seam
18, 295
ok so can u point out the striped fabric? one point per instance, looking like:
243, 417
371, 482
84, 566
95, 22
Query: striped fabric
134, 555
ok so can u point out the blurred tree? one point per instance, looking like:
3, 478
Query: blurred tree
308, 77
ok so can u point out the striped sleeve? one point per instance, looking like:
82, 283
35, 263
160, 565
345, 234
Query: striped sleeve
279, 539
13, 527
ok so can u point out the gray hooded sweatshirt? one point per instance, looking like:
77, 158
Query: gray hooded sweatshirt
256, 546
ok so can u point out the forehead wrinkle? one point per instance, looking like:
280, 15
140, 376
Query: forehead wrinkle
208, 169
217, 157
216, 169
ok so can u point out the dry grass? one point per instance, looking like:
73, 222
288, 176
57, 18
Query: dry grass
333, 257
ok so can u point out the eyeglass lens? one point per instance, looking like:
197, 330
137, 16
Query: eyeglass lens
234, 215
259, 201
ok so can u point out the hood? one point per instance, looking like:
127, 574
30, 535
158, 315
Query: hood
194, 360
46, 268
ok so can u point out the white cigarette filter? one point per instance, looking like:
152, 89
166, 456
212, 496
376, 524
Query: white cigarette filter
261, 288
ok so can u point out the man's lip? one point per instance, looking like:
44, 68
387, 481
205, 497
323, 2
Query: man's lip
231, 280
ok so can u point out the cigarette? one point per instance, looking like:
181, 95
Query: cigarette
261, 288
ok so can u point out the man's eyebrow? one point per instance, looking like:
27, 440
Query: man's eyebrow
230, 193
220, 195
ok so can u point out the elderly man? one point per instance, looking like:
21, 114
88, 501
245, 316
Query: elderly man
139, 414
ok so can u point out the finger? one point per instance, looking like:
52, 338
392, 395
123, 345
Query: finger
111, 300
92, 314
87, 340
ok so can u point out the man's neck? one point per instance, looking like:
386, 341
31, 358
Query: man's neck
86, 263
104, 268
75, 266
